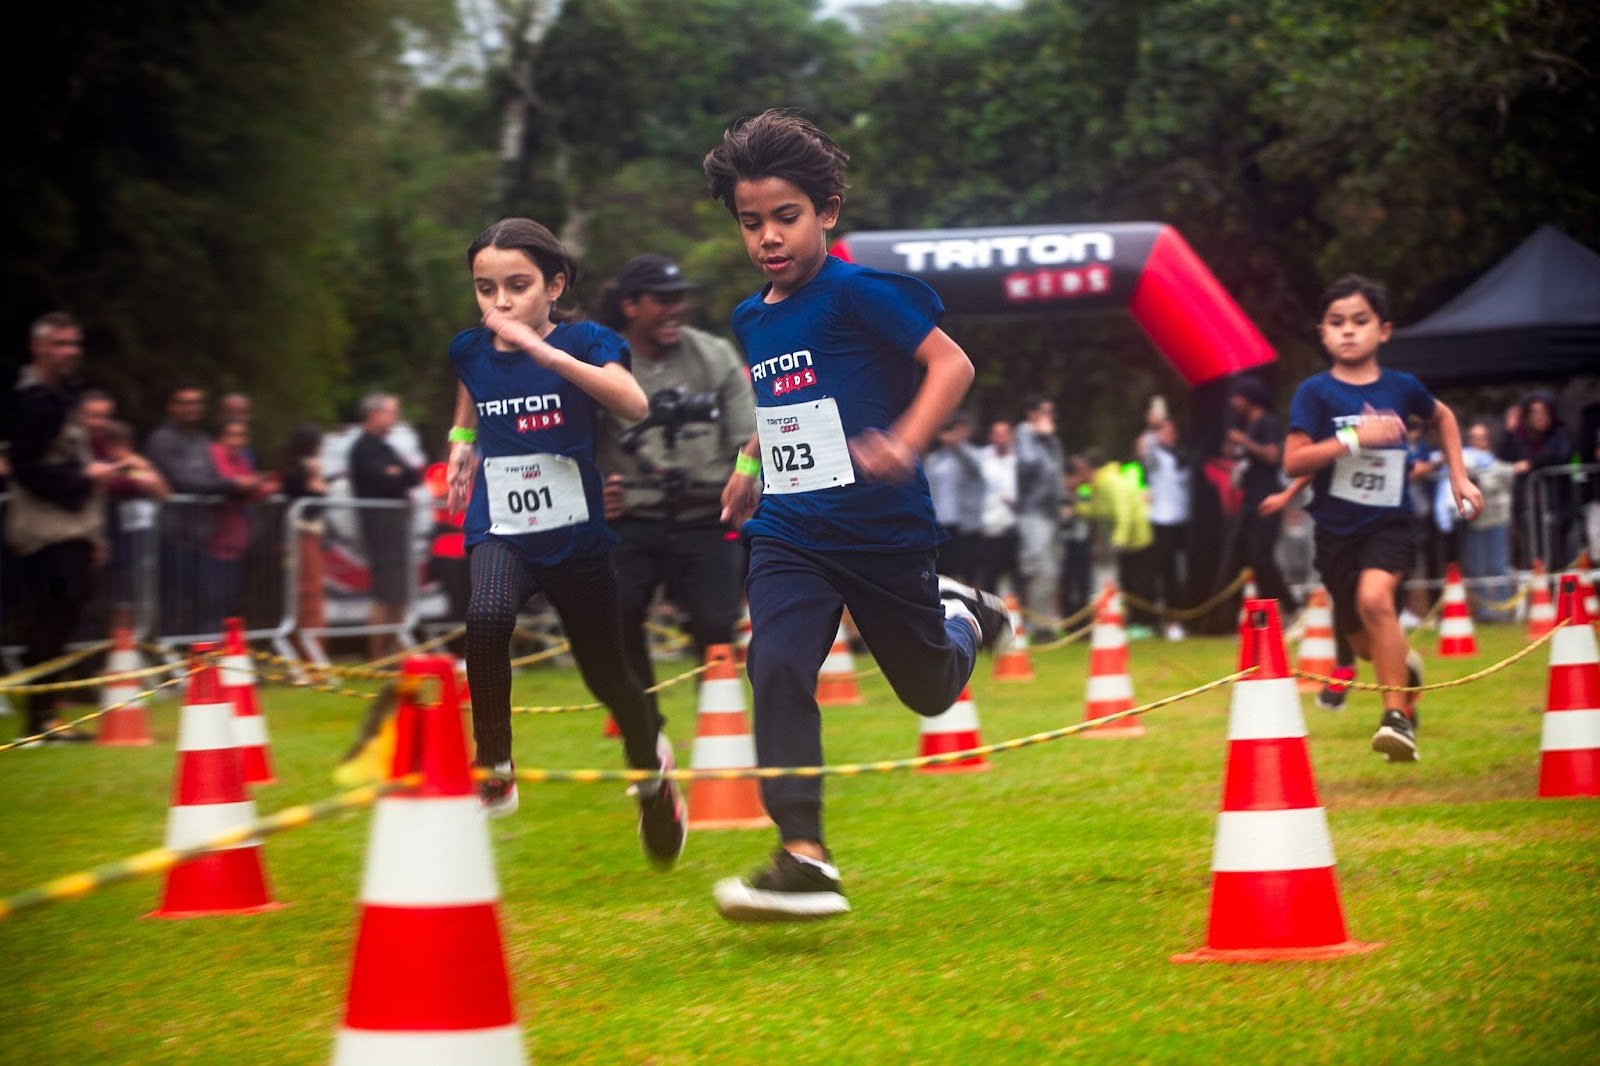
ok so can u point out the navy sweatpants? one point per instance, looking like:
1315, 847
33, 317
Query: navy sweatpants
796, 598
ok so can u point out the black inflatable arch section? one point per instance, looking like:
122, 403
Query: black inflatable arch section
1145, 268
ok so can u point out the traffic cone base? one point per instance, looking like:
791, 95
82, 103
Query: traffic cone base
1274, 895
1014, 664
429, 981
1457, 638
1110, 688
209, 798
126, 726
723, 742
1318, 650
954, 730
1541, 609
1569, 743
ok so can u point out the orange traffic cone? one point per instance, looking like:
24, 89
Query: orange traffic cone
1014, 664
249, 726
1541, 610
1591, 603
1273, 891
954, 730
1110, 688
722, 741
1569, 744
1457, 638
1318, 654
1246, 595
836, 683
208, 798
429, 980
741, 636
125, 726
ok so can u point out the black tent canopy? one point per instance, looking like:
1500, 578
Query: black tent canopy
1535, 314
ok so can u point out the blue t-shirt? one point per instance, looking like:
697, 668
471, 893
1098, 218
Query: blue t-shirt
525, 409
1321, 405
849, 335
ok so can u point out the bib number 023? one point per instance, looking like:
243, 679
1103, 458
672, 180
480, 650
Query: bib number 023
787, 457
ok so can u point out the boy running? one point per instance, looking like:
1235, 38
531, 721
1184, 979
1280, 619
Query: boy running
1347, 430
845, 518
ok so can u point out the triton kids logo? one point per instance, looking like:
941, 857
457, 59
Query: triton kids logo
788, 372
532, 413
1048, 266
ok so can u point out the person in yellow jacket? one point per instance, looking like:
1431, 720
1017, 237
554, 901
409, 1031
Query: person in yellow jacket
1119, 505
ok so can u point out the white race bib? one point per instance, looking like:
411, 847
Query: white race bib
533, 493
1370, 478
803, 447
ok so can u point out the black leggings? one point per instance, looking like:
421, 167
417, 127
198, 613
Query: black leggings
584, 594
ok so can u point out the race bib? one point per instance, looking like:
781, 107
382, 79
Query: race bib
533, 493
1372, 478
803, 447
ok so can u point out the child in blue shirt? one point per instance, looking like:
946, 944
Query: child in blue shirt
830, 494
1347, 431
532, 385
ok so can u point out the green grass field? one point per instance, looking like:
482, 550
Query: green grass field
1026, 914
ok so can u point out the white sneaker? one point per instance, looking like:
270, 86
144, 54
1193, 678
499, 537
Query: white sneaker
497, 792
1409, 621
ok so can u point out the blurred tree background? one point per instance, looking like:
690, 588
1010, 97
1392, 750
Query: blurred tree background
276, 195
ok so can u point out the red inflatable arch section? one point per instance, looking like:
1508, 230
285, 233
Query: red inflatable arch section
1016, 271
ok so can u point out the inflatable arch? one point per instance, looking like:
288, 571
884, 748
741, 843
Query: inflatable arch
1027, 271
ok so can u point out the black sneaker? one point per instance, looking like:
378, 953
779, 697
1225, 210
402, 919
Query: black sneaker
985, 608
663, 816
1396, 738
1331, 698
790, 890
497, 791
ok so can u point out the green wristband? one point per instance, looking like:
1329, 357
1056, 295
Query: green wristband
747, 465
463, 435
1347, 437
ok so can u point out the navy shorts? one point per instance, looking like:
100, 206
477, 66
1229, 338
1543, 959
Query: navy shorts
1340, 557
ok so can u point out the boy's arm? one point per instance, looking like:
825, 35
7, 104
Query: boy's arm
743, 490
1279, 500
892, 455
1469, 498
1302, 455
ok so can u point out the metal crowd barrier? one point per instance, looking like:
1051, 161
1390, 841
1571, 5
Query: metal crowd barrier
180, 566
1562, 513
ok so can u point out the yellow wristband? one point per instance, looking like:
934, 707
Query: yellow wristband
747, 465
463, 435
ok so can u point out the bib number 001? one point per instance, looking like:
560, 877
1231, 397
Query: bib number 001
529, 500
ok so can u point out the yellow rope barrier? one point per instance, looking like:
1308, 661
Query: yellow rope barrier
538, 776
1368, 686
1187, 613
12, 682
92, 715
158, 860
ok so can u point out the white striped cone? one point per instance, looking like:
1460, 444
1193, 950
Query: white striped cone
1014, 664
722, 741
1457, 638
836, 682
208, 798
1318, 650
1110, 688
1273, 894
954, 730
1541, 608
429, 981
127, 726
1569, 743
741, 636
249, 725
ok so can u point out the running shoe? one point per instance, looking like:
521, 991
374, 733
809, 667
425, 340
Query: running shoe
1413, 680
984, 608
1331, 698
497, 791
791, 889
1396, 738
663, 815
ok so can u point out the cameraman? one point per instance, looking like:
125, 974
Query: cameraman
664, 480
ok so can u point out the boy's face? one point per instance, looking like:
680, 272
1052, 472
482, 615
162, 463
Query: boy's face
1351, 332
784, 235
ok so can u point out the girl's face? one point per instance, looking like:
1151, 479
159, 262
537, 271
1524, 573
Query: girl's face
1351, 332
506, 280
784, 235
